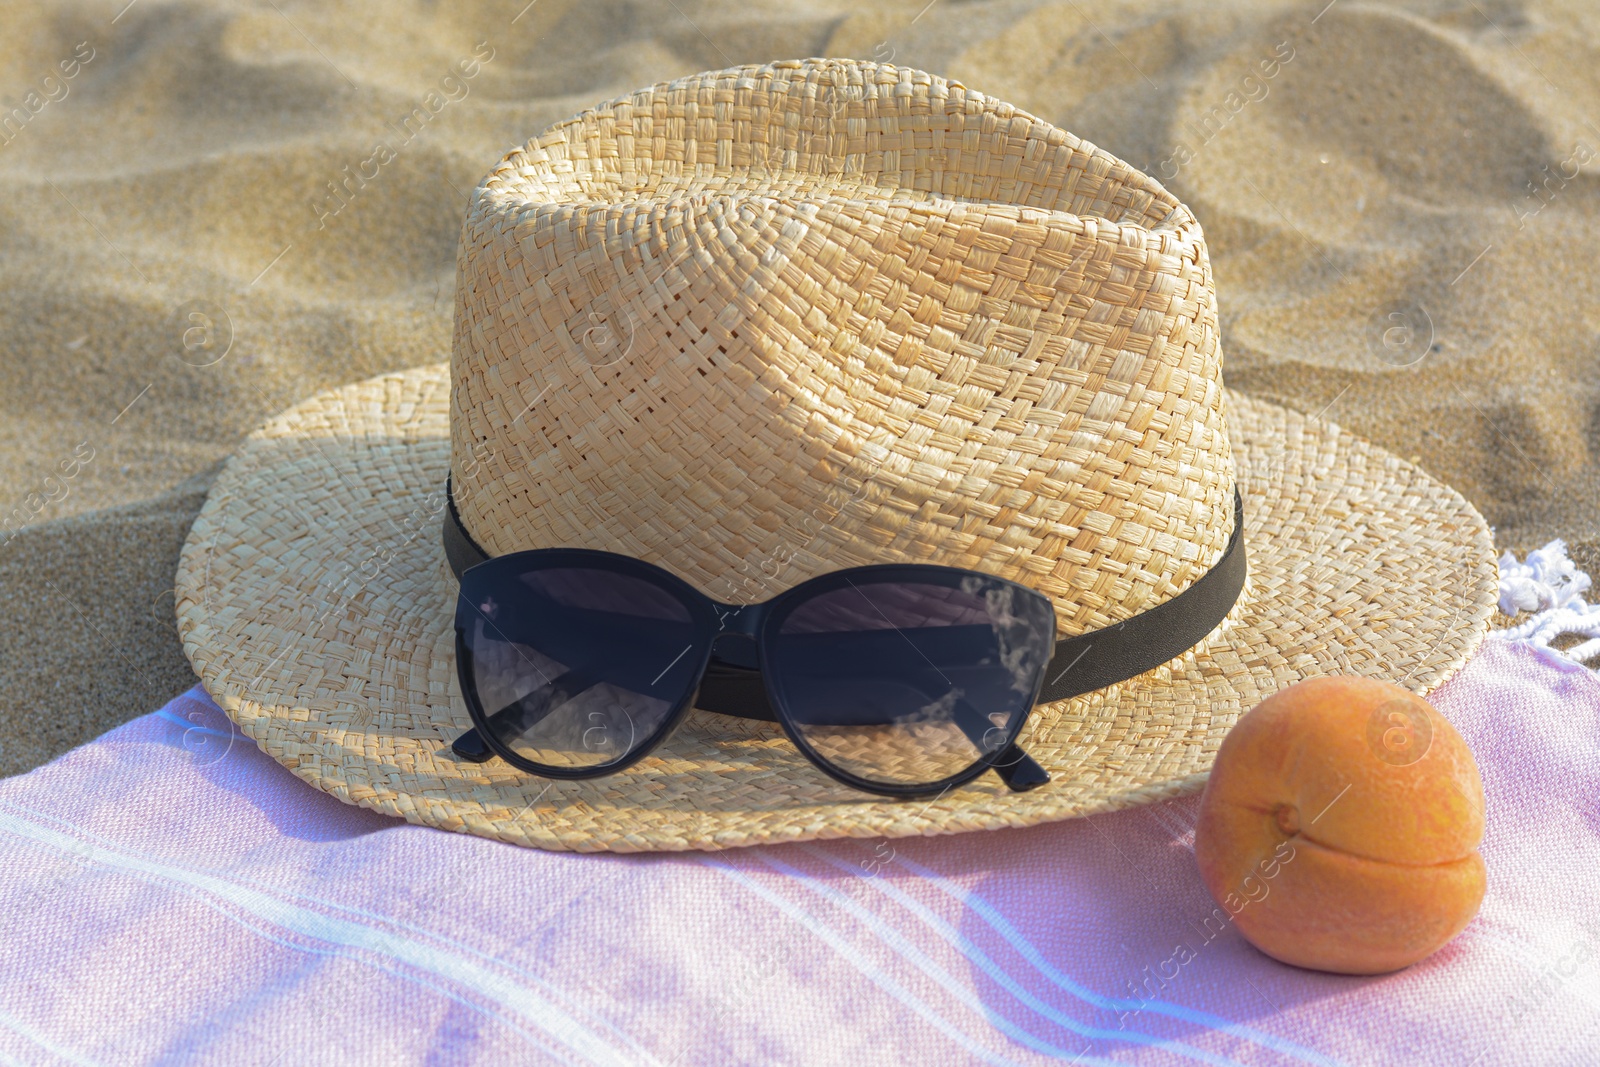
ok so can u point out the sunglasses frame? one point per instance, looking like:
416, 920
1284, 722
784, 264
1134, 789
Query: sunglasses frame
760, 622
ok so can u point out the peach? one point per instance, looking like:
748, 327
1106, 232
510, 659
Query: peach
1340, 827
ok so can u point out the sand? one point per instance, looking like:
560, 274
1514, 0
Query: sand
1400, 202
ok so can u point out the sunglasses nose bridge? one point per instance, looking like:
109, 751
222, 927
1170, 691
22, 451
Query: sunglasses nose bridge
744, 619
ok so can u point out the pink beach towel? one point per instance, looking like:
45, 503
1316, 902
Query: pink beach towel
171, 895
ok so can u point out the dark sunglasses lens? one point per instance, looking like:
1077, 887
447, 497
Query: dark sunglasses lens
577, 667
907, 683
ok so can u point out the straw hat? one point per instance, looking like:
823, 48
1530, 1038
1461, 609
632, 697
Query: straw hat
762, 323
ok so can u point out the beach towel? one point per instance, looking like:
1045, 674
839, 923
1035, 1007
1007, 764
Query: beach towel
171, 895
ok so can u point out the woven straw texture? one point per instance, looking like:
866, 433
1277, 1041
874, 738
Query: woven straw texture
762, 323
767, 322
314, 602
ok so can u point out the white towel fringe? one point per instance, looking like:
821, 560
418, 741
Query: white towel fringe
1551, 586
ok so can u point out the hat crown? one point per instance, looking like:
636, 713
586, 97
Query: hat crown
767, 322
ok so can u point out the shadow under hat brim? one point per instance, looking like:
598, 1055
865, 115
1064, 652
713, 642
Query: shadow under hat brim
315, 604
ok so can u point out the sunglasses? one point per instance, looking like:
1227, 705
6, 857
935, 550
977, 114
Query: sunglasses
901, 680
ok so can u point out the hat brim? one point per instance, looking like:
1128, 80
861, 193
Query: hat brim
314, 603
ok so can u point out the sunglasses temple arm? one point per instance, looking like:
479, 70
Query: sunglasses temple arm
470, 746
1018, 770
